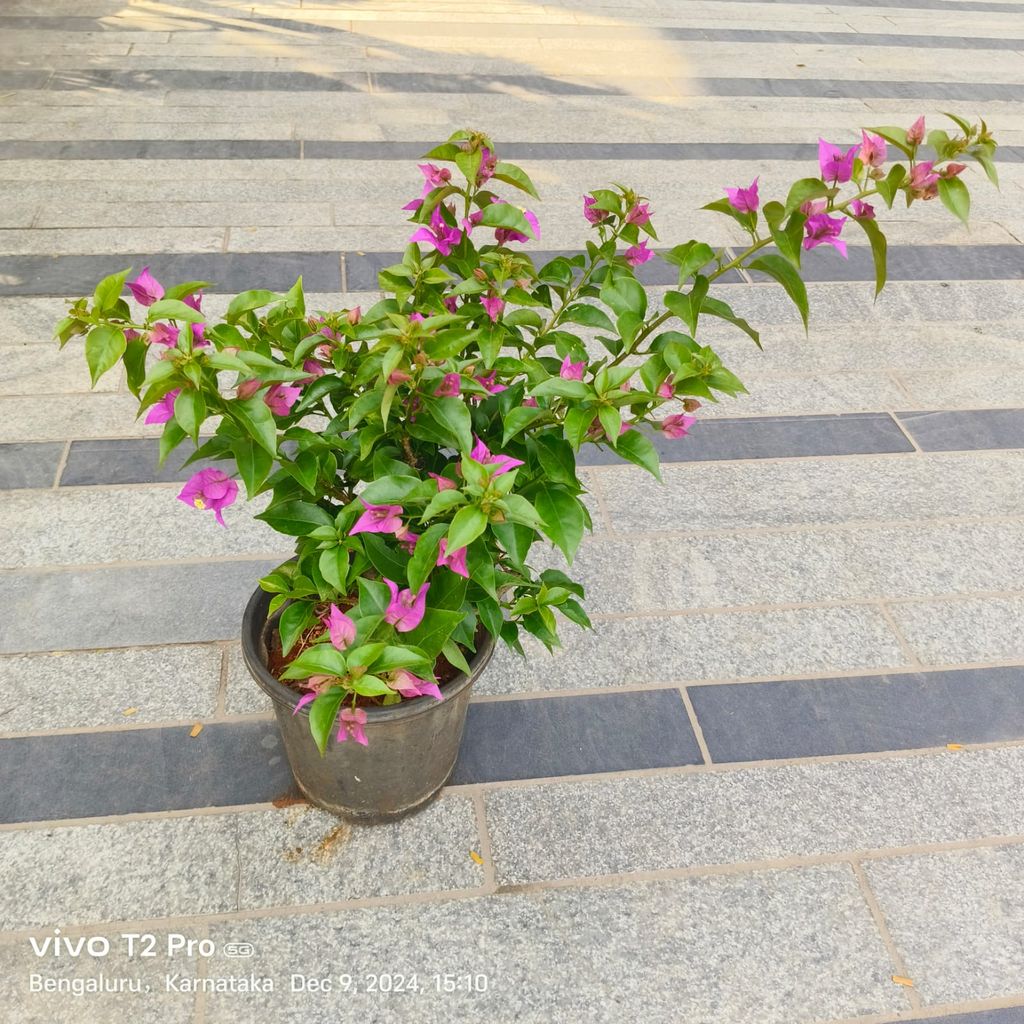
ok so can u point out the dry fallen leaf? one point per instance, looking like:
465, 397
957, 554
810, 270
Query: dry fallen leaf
900, 980
476, 857
128, 712
954, 746
196, 730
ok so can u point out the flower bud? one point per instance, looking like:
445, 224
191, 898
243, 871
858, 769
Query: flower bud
354, 315
480, 274
691, 404
248, 388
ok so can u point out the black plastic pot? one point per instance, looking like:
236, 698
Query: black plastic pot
412, 745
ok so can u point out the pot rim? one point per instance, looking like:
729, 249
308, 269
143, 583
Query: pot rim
254, 621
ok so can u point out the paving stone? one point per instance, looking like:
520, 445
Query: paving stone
149, 1003
860, 714
955, 917
142, 770
31, 370
575, 736
681, 571
306, 856
244, 697
91, 525
826, 491
84, 874
125, 461
779, 947
92, 688
953, 431
754, 814
969, 389
773, 394
687, 648
29, 465
127, 607
957, 632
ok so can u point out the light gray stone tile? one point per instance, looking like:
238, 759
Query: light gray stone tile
35, 370
92, 241
997, 387
89, 688
303, 855
682, 648
957, 632
242, 215
85, 526
25, 418
243, 697
871, 489
777, 395
754, 814
777, 947
119, 872
915, 560
145, 999
956, 919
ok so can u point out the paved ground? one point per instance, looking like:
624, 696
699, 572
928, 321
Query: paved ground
780, 783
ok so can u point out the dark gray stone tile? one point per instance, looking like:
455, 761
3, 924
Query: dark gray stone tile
858, 39
151, 149
951, 430
125, 607
527, 739
29, 465
816, 717
127, 461
1005, 1015
71, 276
130, 771
925, 5
203, 81
772, 437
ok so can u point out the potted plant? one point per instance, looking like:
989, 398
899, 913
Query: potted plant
417, 450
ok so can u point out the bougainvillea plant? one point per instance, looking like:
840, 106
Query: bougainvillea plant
418, 449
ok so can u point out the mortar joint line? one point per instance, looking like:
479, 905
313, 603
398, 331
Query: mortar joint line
903, 430
227, 239
878, 916
908, 651
484, 836
698, 732
344, 273
61, 465
222, 685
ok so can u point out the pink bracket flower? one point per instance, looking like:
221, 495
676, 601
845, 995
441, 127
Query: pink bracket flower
677, 425
637, 254
836, 166
212, 489
873, 150
822, 229
456, 561
164, 409
146, 289
745, 200
341, 628
350, 723
502, 463
406, 609
409, 685
378, 519
571, 370
280, 398
441, 235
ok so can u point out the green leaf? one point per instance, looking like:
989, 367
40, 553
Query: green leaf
984, 157
587, 315
442, 502
322, 714
955, 197
878, 250
512, 174
451, 415
424, 556
374, 596
174, 309
432, 633
393, 657
577, 423
104, 346
563, 516
249, 300
385, 559
255, 417
562, 388
611, 422
624, 294
467, 525
896, 136
633, 445
320, 659
782, 271
135, 364
804, 190
190, 411
295, 518
254, 463
108, 291
295, 620
333, 564
889, 185
451, 650
520, 510
172, 436
515, 538
505, 215
688, 306
388, 490
689, 257
518, 420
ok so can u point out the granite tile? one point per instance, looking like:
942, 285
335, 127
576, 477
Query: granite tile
956, 431
688, 648
125, 461
541, 833
128, 607
69, 690
777, 947
574, 736
956, 919
244, 697
859, 714
130, 771
963, 631
29, 465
